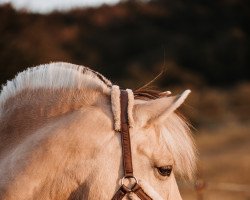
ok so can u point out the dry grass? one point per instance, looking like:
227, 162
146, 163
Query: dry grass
224, 163
223, 143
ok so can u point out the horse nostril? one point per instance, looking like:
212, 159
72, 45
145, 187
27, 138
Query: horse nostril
165, 170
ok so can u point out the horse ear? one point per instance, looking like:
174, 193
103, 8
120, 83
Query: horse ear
159, 109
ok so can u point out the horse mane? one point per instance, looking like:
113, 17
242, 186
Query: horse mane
147, 94
57, 75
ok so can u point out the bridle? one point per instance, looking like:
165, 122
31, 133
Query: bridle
126, 155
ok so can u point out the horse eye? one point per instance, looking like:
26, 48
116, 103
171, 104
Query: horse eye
165, 171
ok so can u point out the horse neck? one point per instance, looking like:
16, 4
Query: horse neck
29, 110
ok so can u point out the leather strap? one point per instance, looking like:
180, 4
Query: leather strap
140, 193
120, 193
125, 136
126, 153
123, 190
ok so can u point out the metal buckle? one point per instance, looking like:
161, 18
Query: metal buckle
133, 184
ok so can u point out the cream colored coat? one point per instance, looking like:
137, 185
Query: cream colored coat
57, 138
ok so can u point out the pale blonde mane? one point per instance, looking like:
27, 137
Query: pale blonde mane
177, 136
54, 76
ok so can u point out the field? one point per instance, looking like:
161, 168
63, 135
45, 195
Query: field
224, 148
224, 164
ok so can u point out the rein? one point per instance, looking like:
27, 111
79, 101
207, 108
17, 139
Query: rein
127, 156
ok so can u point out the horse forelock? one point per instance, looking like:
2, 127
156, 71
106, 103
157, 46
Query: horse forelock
57, 75
177, 136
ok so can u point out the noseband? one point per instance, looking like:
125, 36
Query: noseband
126, 155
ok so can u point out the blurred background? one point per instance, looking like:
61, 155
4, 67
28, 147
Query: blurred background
201, 45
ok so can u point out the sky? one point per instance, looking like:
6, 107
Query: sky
46, 6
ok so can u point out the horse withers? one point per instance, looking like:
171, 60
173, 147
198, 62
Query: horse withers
61, 138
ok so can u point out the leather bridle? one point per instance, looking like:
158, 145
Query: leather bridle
127, 156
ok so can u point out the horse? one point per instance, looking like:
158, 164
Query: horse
60, 137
